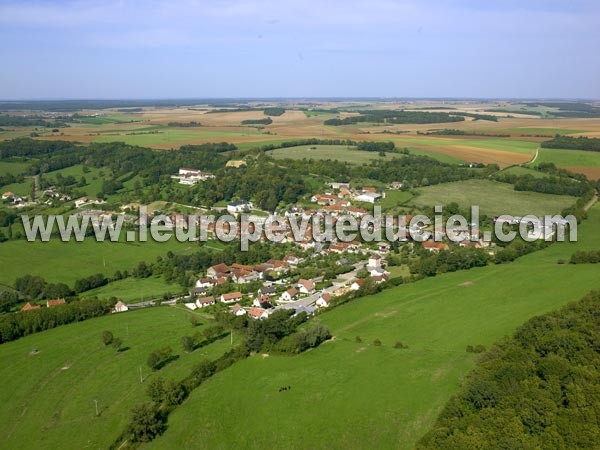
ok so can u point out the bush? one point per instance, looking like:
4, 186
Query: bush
377, 343
399, 344
107, 337
358, 339
146, 423
158, 358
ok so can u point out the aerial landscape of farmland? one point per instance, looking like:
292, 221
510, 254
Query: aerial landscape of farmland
299, 225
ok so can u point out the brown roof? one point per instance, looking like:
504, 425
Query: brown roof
326, 297
256, 312
56, 302
292, 291
232, 295
220, 268
205, 300
28, 307
309, 285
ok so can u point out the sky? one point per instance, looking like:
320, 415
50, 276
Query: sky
121, 49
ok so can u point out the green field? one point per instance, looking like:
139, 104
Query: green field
395, 198
351, 395
508, 145
131, 290
13, 167
66, 262
339, 152
175, 135
568, 158
48, 398
493, 198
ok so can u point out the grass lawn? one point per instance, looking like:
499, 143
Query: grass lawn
394, 198
493, 198
132, 290
339, 152
13, 167
48, 398
349, 395
66, 262
566, 158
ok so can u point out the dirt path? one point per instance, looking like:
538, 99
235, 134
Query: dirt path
591, 203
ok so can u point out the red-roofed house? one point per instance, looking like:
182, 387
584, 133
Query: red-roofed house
29, 307
205, 301
306, 286
324, 300
55, 302
289, 295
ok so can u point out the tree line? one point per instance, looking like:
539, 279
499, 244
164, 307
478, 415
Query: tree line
536, 389
573, 143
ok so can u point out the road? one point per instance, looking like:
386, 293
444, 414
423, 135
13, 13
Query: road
346, 278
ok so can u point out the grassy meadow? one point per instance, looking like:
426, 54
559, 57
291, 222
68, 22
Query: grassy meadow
493, 198
48, 397
66, 262
324, 152
348, 394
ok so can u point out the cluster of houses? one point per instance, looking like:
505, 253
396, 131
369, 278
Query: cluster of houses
192, 176
50, 194
85, 201
49, 304
16, 201
343, 194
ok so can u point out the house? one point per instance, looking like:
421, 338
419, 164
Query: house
306, 286
396, 185
383, 247
324, 300
267, 290
258, 313
239, 206
262, 302
378, 279
336, 185
205, 283
357, 284
205, 301
29, 307
237, 310
120, 307
435, 247
374, 262
368, 197
191, 306
289, 295
55, 302
8, 196
292, 260
216, 270
324, 199
377, 271
231, 297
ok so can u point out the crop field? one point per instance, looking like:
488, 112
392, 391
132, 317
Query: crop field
579, 161
339, 152
493, 198
66, 262
48, 397
380, 396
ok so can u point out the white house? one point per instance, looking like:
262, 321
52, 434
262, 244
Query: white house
374, 262
205, 301
237, 310
231, 297
324, 300
368, 197
289, 295
357, 284
120, 307
306, 286
258, 313
239, 207
191, 306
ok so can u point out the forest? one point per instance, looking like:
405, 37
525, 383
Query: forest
537, 389
391, 116
573, 143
